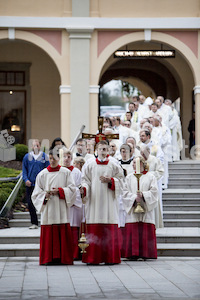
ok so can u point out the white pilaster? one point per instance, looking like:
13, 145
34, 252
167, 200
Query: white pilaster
147, 35
196, 89
79, 79
197, 120
65, 89
11, 33
94, 89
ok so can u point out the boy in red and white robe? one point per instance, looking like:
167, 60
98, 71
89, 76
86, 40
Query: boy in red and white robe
101, 186
140, 231
53, 196
76, 210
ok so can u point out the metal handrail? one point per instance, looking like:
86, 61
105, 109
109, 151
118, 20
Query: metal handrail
8, 205
77, 137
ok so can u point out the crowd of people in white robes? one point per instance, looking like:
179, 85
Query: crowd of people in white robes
150, 130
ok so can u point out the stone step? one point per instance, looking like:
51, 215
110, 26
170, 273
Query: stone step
167, 215
12, 250
174, 176
180, 207
184, 165
178, 249
185, 181
181, 202
179, 171
22, 215
181, 223
20, 240
164, 249
178, 200
181, 193
174, 185
20, 223
178, 239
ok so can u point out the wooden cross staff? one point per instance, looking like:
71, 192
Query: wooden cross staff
100, 136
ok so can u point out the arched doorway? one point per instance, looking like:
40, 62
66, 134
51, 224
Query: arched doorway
41, 104
172, 78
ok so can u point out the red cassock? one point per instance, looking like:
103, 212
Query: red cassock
102, 213
56, 242
139, 234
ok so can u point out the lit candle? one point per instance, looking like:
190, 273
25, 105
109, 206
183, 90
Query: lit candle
137, 165
61, 156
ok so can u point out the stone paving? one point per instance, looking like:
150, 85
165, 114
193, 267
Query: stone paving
164, 278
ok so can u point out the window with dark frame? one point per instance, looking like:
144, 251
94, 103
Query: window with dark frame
12, 78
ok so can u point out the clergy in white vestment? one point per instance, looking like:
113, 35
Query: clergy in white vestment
76, 210
176, 132
157, 169
140, 231
81, 150
145, 139
53, 195
101, 187
164, 110
126, 160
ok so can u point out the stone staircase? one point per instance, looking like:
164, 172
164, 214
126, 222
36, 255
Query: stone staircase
179, 237
181, 211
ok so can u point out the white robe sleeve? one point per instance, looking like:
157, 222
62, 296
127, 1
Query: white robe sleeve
128, 198
38, 195
151, 196
70, 191
76, 174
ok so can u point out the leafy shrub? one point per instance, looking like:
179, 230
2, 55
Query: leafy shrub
21, 150
6, 189
7, 172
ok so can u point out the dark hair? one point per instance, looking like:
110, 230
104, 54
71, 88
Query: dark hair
108, 120
129, 112
125, 146
58, 139
81, 140
103, 142
155, 104
54, 153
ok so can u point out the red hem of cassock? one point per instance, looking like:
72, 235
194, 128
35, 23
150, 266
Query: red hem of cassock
76, 236
56, 244
104, 244
139, 240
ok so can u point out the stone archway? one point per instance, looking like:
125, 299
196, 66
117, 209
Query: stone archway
106, 60
43, 99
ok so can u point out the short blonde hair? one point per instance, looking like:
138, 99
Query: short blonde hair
67, 151
79, 160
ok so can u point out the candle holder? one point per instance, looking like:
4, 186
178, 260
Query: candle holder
138, 209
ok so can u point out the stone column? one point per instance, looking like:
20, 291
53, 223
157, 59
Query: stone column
197, 120
94, 107
79, 79
65, 91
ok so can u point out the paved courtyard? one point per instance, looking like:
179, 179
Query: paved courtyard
164, 278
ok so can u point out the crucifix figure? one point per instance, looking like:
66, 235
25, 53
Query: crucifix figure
100, 136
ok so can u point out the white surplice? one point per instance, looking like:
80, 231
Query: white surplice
102, 206
55, 211
149, 189
76, 211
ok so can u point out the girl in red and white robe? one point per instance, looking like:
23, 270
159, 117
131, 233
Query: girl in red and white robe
140, 231
76, 210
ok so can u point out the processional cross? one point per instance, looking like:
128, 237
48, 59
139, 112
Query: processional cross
100, 136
